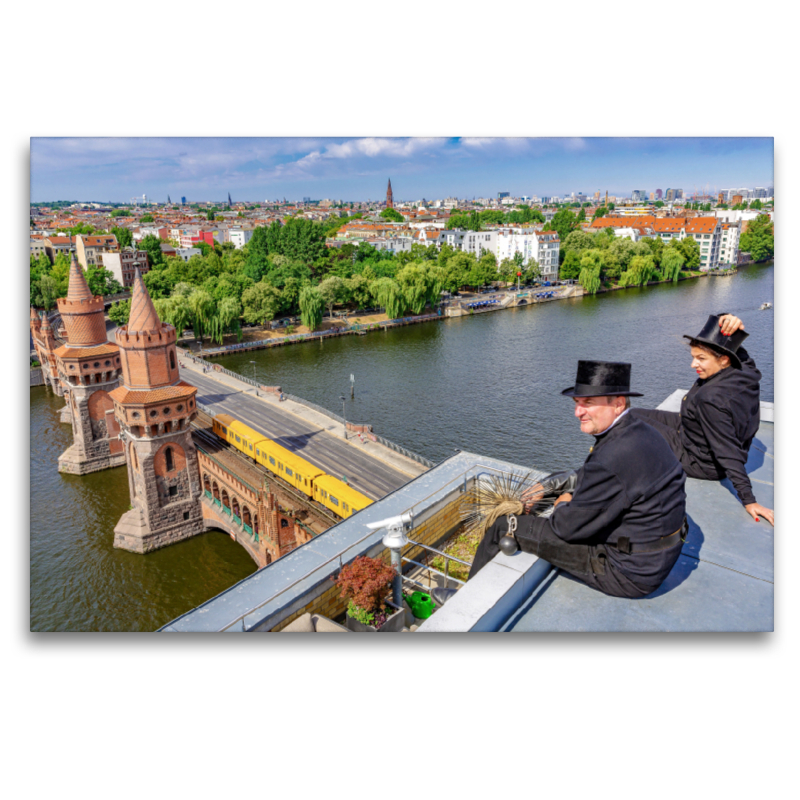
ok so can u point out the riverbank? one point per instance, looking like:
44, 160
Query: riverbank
466, 304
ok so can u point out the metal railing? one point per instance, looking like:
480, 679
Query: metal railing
482, 469
447, 559
404, 451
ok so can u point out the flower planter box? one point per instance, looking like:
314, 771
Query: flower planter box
394, 624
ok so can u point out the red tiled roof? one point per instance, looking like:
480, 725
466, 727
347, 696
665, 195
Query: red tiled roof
126, 396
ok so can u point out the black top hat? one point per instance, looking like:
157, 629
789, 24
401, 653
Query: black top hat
713, 336
602, 379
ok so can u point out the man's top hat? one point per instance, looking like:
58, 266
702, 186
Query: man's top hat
713, 336
602, 379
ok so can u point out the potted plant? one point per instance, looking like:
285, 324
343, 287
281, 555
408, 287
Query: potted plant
365, 583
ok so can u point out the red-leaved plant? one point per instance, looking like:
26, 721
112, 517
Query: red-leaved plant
365, 582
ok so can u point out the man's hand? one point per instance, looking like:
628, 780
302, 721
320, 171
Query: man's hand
729, 324
755, 511
531, 496
562, 498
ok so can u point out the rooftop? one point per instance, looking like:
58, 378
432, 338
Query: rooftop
723, 580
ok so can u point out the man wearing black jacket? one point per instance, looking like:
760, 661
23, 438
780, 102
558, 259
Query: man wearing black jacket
720, 414
620, 530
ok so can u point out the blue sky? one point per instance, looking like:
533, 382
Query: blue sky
116, 169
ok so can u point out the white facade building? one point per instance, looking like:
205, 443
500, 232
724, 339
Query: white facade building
729, 244
187, 252
240, 237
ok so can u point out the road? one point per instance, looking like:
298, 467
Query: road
368, 475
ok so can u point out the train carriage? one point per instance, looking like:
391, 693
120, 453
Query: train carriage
337, 496
294, 469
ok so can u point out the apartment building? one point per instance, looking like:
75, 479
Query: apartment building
38, 247
240, 236
476, 242
546, 254
707, 232
729, 244
123, 265
90, 249
53, 245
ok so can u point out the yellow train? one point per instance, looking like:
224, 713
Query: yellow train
331, 492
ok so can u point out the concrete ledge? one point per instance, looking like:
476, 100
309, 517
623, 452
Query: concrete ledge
72, 462
491, 597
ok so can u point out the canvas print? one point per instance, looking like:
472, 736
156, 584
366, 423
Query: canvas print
421, 385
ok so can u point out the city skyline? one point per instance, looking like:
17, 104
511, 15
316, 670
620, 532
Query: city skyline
115, 169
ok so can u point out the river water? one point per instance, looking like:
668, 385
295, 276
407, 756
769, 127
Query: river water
488, 383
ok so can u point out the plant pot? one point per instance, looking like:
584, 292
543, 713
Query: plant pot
394, 624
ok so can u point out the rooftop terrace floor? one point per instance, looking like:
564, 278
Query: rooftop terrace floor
723, 580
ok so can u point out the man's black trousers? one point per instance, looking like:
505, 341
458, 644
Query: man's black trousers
588, 563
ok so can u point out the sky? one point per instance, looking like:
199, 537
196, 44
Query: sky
115, 169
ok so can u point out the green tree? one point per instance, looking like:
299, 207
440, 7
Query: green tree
672, 262
210, 216
102, 281
120, 212
358, 289
578, 241
571, 267
389, 295
600, 212
152, 244
332, 290
564, 222
391, 215
414, 280
146, 218
119, 312
261, 303
203, 309
124, 237
691, 252
589, 278
639, 272
311, 305
759, 238
48, 291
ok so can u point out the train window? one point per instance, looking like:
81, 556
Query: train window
272, 461
258, 452
344, 506
288, 471
251, 447
334, 500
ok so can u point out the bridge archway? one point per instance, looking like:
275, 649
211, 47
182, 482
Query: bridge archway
226, 502
246, 518
235, 506
215, 490
206, 483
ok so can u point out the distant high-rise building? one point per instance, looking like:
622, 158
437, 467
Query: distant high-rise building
389, 196
229, 200
638, 195
606, 198
501, 195
659, 194
183, 201
169, 202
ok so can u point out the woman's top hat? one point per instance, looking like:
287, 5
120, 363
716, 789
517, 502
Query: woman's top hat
602, 379
713, 336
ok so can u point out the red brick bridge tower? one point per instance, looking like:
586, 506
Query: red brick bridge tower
88, 370
389, 196
45, 344
154, 407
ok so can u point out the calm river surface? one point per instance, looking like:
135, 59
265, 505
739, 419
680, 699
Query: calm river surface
488, 384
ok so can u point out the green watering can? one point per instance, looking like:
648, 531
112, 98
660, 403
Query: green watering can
422, 605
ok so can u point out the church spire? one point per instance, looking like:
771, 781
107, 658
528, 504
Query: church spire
143, 316
389, 196
78, 288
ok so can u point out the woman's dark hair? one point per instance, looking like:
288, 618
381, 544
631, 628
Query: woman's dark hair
709, 348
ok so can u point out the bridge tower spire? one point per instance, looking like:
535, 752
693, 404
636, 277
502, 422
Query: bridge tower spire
154, 407
88, 368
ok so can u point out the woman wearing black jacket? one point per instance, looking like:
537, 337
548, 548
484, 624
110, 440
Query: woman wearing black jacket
719, 416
